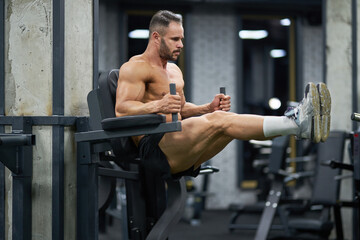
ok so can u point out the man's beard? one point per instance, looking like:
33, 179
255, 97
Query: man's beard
165, 52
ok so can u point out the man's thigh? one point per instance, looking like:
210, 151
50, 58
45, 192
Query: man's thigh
183, 149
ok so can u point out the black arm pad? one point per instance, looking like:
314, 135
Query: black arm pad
132, 121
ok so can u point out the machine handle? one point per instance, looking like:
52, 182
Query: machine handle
173, 92
223, 90
355, 117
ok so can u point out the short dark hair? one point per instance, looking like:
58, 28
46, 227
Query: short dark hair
162, 19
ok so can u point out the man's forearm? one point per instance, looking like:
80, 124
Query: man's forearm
137, 108
190, 110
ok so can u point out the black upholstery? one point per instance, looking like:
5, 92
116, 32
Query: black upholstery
129, 121
107, 88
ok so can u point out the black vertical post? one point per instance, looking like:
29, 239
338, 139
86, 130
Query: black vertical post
2, 112
2, 57
188, 56
95, 43
21, 209
58, 131
240, 92
355, 216
354, 60
86, 215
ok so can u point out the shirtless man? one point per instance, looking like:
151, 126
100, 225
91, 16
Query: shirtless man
143, 88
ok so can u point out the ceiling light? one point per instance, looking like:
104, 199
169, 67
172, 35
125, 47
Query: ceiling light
253, 34
274, 103
285, 22
277, 53
139, 34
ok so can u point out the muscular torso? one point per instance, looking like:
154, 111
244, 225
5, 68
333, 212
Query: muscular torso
146, 83
158, 85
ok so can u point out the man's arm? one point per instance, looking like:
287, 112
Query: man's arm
131, 90
220, 102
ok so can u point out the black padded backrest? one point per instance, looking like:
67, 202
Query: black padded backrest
123, 148
278, 154
326, 188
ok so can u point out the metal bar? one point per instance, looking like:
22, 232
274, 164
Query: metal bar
354, 20
82, 176
16, 140
95, 43
269, 211
99, 135
2, 58
188, 56
2, 201
21, 225
2, 193
58, 57
354, 60
240, 99
58, 182
58, 131
42, 120
338, 223
92, 198
9, 159
2, 112
22, 210
118, 173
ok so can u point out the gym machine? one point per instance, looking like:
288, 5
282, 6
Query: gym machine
152, 209
16, 155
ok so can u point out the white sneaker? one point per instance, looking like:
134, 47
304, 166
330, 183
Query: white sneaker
307, 114
325, 109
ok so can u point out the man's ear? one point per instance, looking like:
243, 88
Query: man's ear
155, 36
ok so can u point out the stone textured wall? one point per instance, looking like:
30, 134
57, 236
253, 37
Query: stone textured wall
312, 57
339, 80
28, 83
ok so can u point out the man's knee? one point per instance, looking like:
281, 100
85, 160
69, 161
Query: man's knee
217, 115
218, 119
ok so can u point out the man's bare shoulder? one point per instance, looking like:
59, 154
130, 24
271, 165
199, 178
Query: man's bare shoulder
136, 68
173, 67
135, 62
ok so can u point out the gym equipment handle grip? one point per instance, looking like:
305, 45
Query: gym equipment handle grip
355, 117
173, 92
223, 90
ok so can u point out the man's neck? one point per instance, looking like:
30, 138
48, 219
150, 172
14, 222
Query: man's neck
153, 57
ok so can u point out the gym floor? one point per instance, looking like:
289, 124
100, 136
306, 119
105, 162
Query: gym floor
214, 226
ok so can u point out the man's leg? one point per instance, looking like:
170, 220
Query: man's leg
203, 137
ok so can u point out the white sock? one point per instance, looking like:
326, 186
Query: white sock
279, 126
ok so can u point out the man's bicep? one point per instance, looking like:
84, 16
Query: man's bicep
130, 91
130, 85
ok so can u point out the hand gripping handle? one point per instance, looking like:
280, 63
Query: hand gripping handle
222, 90
173, 92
